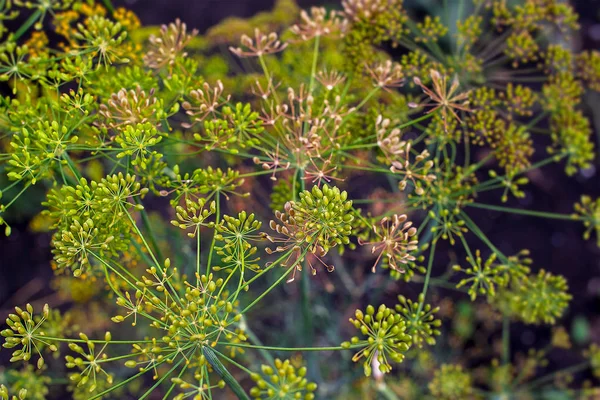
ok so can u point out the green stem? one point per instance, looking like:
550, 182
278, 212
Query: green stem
173, 292
475, 229
149, 230
55, 339
530, 213
71, 165
428, 275
505, 340
466, 246
276, 262
109, 6
386, 391
18, 195
218, 366
275, 348
214, 239
166, 396
27, 24
125, 382
569, 370
254, 339
198, 248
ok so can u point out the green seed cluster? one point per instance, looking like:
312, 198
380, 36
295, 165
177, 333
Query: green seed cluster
588, 210
88, 216
324, 216
541, 298
236, 234
26, 331
386, 338
421, 323
90, 362
282, 382
194, 215
27, 383
451, 382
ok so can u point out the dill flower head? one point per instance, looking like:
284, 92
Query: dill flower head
451, 382
284, 382
483, 277
89, 363
447, 99
541, 298
236, 234
102, 38
386, 338
395, 239
593, 354
588, 210
132, 107
26, 330
318, 221
25, 383
194, 215
421, 323
169, 45
325, 214
212, 181
318, 23
204, 102
204, 316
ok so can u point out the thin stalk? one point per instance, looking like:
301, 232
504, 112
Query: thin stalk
569, 370
276, 262
308, 330
149, 230
505, 340
253, 338
275, 348
166, 396
109, 6
71, 165
214, 239
530, 213
475, 229
67, 340
174, 293
18, 195
386, 391
123, 383
428, 275
198, 248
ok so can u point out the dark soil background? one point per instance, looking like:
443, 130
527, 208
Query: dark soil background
556, 246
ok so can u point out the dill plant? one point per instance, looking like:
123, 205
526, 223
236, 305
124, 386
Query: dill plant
112, 118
